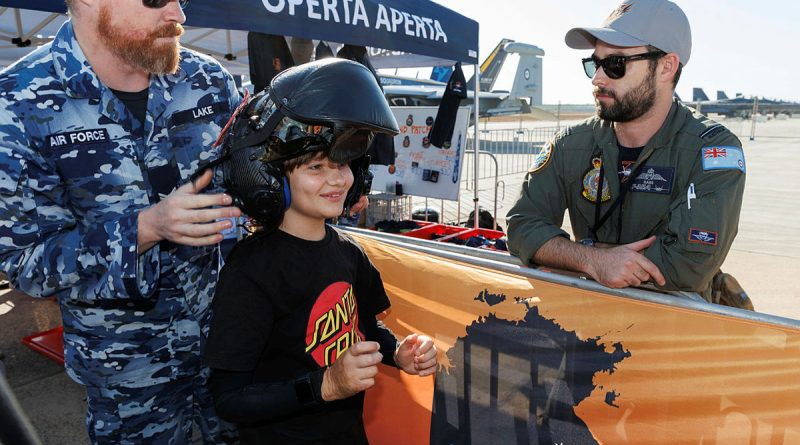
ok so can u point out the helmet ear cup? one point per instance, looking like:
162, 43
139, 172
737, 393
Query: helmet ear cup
257, 187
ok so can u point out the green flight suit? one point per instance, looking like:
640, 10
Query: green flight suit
694, 230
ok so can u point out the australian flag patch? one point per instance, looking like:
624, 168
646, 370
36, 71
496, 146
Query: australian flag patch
702, 237
723, 158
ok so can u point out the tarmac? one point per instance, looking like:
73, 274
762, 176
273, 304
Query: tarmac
765, 258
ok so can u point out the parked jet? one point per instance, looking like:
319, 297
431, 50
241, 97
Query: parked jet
739, 106
406, 91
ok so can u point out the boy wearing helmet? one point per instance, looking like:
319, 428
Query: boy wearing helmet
295, 340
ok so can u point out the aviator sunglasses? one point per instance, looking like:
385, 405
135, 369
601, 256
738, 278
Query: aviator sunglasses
614, 66
158, 4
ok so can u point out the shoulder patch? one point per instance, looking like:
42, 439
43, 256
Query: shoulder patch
723, 158
703, 237
711, 131
542, 158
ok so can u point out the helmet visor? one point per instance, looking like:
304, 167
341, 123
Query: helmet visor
292, 138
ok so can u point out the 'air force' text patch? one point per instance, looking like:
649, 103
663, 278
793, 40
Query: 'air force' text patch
81, 137
723, 158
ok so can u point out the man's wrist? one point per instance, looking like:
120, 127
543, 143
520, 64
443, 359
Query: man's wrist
145, 235
589, 258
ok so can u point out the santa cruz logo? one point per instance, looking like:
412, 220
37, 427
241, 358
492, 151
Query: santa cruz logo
333, 324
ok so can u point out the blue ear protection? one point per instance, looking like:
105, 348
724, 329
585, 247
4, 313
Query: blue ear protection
287, 194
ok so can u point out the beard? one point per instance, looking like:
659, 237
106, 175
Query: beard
632, 105
140, 49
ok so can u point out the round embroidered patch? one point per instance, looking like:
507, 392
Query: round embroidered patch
542, 158
590, 180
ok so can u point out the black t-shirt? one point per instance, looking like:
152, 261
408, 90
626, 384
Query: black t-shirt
285, 307
627, 156
136, 102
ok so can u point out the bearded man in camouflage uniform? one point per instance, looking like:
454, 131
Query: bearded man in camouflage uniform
100, 131
653, 189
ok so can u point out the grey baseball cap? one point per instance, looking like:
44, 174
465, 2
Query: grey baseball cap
660, 23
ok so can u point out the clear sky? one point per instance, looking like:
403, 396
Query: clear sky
738, 46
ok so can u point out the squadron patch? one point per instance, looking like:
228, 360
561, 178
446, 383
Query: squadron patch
542, 158
591, 180
702, 237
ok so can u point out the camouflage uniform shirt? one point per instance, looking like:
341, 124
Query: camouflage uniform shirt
75, 170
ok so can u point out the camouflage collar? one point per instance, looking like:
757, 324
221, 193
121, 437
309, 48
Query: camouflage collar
80, 81
76, 74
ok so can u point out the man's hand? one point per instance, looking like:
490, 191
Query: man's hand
186, 217
416, 355
623, 266
353, 372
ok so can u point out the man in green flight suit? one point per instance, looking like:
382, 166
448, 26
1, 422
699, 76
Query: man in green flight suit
653, 188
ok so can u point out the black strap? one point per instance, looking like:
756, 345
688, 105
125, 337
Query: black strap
625, 186
598, 199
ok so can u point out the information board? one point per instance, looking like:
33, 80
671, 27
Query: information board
421, 169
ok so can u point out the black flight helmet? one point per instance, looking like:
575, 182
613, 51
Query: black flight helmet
330, 105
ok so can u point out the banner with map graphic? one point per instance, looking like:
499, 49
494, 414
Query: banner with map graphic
529, 361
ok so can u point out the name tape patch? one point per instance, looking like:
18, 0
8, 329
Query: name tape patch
723, 158
702, 237
203, 112
81, 137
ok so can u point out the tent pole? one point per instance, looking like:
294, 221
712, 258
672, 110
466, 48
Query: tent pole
476, 145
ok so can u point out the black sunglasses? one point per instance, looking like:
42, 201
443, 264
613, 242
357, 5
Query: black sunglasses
614, 66
158, 4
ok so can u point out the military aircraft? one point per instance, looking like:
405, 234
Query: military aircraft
526, 90
739, 106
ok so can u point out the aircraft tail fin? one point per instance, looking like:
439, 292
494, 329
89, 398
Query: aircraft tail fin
721, 95
528, 78
698, 95
490, 68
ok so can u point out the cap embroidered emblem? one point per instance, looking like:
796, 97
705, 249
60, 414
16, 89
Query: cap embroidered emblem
617, 13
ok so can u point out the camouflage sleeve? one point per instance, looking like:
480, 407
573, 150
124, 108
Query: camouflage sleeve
704, 218
45, 250
538, 214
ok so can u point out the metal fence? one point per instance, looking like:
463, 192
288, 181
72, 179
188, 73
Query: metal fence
763, 127
505, 155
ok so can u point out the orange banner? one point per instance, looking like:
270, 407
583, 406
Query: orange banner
528, 361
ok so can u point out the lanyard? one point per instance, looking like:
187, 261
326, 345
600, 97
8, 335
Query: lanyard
625, 186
